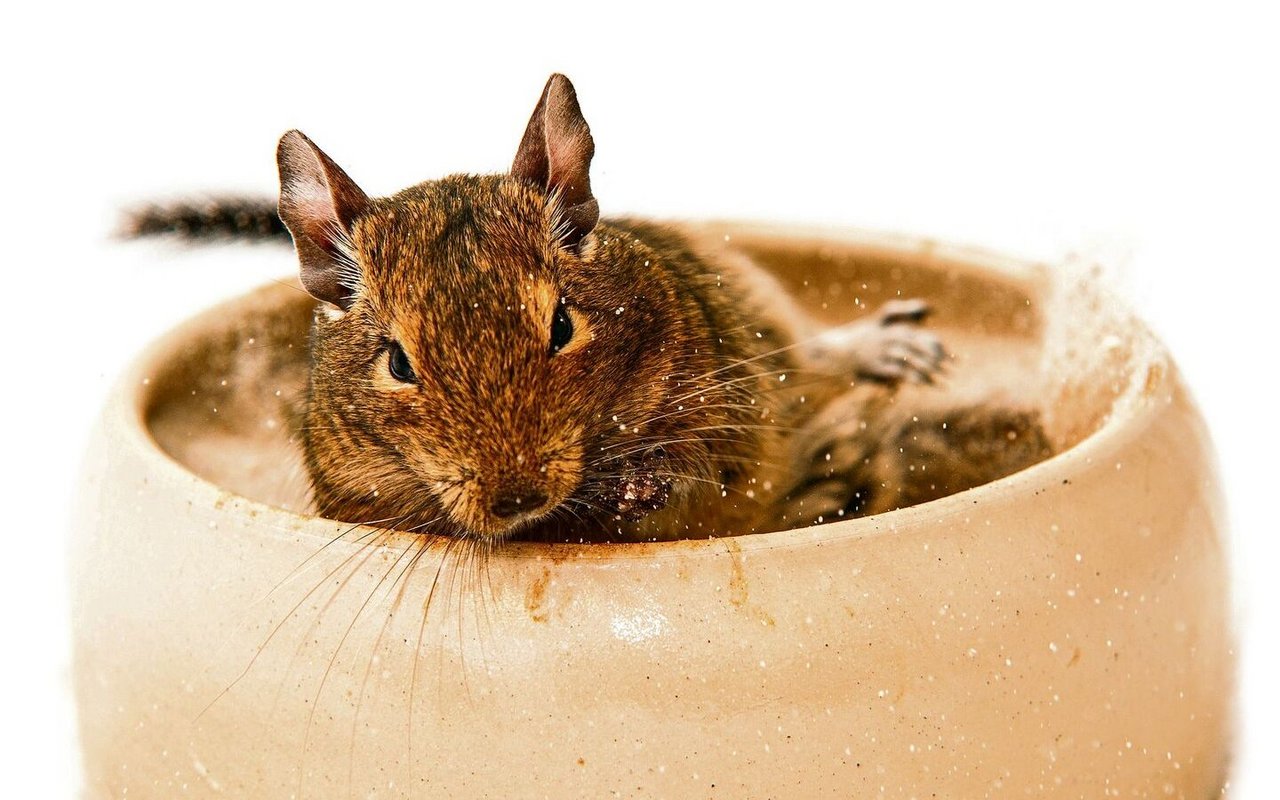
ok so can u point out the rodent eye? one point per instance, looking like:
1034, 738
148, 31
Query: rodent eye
398, 364
561, 329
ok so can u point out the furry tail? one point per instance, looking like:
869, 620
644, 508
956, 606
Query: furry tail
227, 218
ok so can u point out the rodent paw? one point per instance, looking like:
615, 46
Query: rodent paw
906, 352
640, 494
889, 346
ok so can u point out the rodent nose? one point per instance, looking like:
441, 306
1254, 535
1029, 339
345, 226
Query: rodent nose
510, 502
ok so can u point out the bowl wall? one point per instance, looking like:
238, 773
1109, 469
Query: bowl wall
1059, 632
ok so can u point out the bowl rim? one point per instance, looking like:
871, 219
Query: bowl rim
133, 394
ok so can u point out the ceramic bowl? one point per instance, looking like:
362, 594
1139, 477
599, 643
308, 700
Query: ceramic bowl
1058, 632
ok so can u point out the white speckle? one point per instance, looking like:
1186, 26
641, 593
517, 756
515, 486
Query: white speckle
639, 625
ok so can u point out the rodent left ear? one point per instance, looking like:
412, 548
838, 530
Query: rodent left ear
555, 155
319, 204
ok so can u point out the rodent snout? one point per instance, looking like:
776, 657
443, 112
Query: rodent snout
507, 500
519, 499
511, 491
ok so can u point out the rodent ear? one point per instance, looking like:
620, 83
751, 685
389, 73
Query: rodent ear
555, 154
319, 204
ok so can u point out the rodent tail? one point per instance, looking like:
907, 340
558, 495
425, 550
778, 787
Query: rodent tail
221, 218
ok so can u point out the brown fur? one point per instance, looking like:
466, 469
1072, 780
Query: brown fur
670, 414
451, 269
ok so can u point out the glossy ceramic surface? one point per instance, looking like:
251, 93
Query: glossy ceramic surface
1060, 632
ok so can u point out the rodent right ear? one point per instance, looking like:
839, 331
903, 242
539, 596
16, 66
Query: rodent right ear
319, 204
555, 154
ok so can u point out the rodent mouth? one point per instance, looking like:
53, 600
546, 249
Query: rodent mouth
503, 513
501, 529
495, 498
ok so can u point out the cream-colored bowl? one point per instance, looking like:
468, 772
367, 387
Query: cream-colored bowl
1060, 632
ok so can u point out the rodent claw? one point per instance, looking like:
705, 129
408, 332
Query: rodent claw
913, 311
908, 353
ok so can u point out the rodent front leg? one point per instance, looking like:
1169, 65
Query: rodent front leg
889, 346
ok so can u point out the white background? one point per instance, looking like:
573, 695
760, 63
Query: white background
1144, 135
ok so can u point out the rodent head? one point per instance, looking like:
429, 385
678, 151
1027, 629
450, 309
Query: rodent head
481, 360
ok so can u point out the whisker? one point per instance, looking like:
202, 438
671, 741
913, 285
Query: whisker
737, 381
447, 548
292, 611
769, 354
297, 569
368, 551
333, 657
659, 442
700, 407
741, 427
377, 643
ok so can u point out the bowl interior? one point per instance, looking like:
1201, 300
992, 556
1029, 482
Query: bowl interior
224, 400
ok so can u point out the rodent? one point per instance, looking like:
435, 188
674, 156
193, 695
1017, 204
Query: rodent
491, 359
